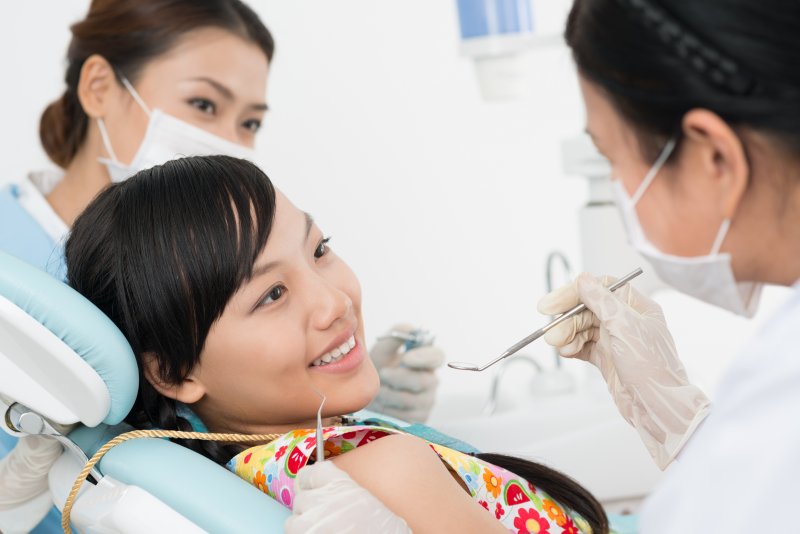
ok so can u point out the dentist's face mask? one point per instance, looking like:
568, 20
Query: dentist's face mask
708, 278
166, 138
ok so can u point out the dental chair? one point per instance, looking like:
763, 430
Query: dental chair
63, 362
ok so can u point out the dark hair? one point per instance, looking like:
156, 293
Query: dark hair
162, 254
557, 485
659, 59
130, 33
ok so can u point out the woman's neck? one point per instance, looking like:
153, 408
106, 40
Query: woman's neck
83, 179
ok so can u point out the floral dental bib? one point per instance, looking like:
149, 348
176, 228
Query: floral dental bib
517, 504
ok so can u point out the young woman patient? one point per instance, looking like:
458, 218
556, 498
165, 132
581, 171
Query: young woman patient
238, 311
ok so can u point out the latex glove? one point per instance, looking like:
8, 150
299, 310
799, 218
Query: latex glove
23, 481
408, 382
625, 335
326, 499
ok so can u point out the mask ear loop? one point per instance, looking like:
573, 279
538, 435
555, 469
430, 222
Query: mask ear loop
134, 94
721, 235
666, 152
101, 125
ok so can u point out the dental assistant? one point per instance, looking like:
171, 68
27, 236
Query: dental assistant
696, 105
147, 81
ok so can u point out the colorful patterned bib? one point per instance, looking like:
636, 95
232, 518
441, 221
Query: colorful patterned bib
517, 504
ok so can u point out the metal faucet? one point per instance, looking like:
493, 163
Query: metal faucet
491, 404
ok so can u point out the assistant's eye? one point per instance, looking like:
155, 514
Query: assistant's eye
322, 248
253, 125
273, 295
204, 105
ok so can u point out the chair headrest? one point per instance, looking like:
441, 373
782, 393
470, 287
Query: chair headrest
59, 354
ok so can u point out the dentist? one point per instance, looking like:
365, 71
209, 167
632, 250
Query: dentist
696, 104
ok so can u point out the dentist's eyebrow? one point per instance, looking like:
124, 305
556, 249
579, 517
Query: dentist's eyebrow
227, 93
259, 270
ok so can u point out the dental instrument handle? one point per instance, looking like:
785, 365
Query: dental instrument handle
542, 331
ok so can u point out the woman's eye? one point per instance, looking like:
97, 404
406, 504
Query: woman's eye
253, 125
206, 106
273, 295
322, 248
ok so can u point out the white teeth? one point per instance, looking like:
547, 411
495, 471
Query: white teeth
336, 353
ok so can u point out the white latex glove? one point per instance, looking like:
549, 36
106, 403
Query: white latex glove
625, 335
326, 500
408, 382
23, 481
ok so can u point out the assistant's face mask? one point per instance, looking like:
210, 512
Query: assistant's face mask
166, 138
708, 278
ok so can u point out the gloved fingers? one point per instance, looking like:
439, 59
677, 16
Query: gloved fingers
566, 332
389, 398
318, 475
574, 347
559, 300
423, 358
384, 351
604, 303
406, 379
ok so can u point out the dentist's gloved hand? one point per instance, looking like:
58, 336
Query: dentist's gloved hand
326, 500
408, 382
624, 334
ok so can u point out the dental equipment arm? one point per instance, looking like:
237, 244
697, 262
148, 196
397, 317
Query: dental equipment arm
406, 361
625, 335
328, 500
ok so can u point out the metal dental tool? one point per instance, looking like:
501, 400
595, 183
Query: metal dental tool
464, 366
415, 338
320, 443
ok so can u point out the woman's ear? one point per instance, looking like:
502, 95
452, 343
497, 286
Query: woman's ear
722, 156
97, 86
188, 391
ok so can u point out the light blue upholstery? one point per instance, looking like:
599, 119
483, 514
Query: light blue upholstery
200, 490
78, 323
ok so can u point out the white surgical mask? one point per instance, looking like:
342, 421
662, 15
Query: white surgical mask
708, 278
166, 138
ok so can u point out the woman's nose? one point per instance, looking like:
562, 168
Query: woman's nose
329, 304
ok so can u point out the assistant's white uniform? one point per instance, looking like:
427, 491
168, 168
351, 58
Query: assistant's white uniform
740, 472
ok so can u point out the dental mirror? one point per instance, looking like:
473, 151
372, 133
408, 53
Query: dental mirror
465, 366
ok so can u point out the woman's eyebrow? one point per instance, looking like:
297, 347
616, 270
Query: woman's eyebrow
226, 92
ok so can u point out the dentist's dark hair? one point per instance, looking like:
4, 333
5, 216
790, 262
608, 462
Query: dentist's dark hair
129, 34
658, 59
162, 254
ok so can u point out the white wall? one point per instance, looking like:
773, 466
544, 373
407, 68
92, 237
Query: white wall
445, 205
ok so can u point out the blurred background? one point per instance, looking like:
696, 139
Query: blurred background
444, 192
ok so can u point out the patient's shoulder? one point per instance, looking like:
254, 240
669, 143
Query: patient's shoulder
396, 452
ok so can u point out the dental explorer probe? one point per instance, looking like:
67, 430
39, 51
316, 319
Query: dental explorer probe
464, 366
319, 441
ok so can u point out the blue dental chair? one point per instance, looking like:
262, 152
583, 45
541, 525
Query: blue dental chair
63, 362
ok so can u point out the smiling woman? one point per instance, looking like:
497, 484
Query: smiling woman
239, 313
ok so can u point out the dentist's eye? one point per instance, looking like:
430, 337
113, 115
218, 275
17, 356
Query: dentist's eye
204, 105
273, 295
322, 248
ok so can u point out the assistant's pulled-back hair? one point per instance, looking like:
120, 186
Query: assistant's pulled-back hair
129, 34
162, 254
658, 59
